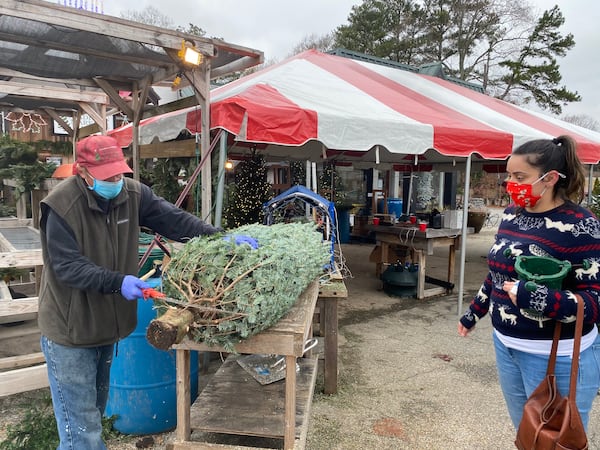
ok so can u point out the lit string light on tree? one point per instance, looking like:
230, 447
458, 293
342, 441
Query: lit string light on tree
253, 190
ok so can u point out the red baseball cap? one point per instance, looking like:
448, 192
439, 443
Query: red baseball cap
101, 156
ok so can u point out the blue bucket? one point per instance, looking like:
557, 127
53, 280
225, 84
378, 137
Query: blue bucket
143, 380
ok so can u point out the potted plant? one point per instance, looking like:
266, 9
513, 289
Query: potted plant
476, 214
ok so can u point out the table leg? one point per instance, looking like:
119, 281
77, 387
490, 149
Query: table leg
322, 324
182, 364
421, 261
385, 250
451, 263
330, 352
289, 435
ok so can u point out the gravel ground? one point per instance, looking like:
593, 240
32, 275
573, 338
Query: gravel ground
406, 379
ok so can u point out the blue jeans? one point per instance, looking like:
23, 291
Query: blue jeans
520, 373
79, 381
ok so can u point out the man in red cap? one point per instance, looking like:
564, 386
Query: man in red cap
89, 227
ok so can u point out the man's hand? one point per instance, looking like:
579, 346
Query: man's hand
131, 288
240, 239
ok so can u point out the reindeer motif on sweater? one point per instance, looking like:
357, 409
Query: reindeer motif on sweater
568, 232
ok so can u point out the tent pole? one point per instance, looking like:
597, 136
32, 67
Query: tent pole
308, 185
463, 236
410, 193
308, 165
396, 183
590, 185
440, 204
221, 179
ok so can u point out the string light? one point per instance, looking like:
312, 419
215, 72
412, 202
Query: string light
122, 119
253, 190
96, 6
26, 122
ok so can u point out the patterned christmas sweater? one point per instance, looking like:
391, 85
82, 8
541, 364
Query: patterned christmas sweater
568, 232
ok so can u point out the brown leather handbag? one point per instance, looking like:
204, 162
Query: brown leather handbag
551, 421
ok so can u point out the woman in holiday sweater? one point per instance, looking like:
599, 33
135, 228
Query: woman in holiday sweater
546, 183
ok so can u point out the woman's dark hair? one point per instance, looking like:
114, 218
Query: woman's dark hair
558, 154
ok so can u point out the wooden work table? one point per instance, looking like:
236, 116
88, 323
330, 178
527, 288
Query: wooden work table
243, 406
329, 293
420, 244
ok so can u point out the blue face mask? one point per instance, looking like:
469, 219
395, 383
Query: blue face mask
107, 189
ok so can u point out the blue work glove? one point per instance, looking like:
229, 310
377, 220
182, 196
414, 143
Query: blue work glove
240, 239
131, 288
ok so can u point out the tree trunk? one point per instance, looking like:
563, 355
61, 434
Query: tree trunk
170, 328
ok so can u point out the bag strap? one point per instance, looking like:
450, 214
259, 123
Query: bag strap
555, 339
576, 348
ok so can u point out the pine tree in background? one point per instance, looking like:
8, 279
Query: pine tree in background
252, 190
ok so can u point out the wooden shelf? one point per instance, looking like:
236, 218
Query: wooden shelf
233, 402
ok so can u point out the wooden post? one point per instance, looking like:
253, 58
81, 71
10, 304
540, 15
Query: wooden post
182, 362
289, 435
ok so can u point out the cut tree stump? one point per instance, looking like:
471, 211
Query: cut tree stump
170, 328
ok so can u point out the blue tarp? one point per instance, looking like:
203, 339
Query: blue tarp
325, 207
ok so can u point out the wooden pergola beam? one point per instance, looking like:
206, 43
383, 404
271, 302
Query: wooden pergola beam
52, 92
53, 14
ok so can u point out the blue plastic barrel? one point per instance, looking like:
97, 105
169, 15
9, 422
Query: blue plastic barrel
344, 226
143, 380
395, 206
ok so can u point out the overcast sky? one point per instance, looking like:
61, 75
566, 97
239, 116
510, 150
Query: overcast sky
277, 26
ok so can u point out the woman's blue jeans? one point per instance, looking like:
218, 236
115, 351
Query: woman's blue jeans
520, 373
79, 382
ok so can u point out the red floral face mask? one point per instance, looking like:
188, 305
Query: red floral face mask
522, 194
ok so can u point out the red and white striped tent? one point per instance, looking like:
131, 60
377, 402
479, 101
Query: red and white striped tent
316, 104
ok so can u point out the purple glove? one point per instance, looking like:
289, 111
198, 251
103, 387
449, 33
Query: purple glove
131, 288
240, 239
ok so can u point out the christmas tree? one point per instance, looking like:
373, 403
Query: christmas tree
225, 292
329, 182
252, 190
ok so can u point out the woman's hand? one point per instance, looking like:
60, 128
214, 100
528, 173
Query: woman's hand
464, 331
510, 287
